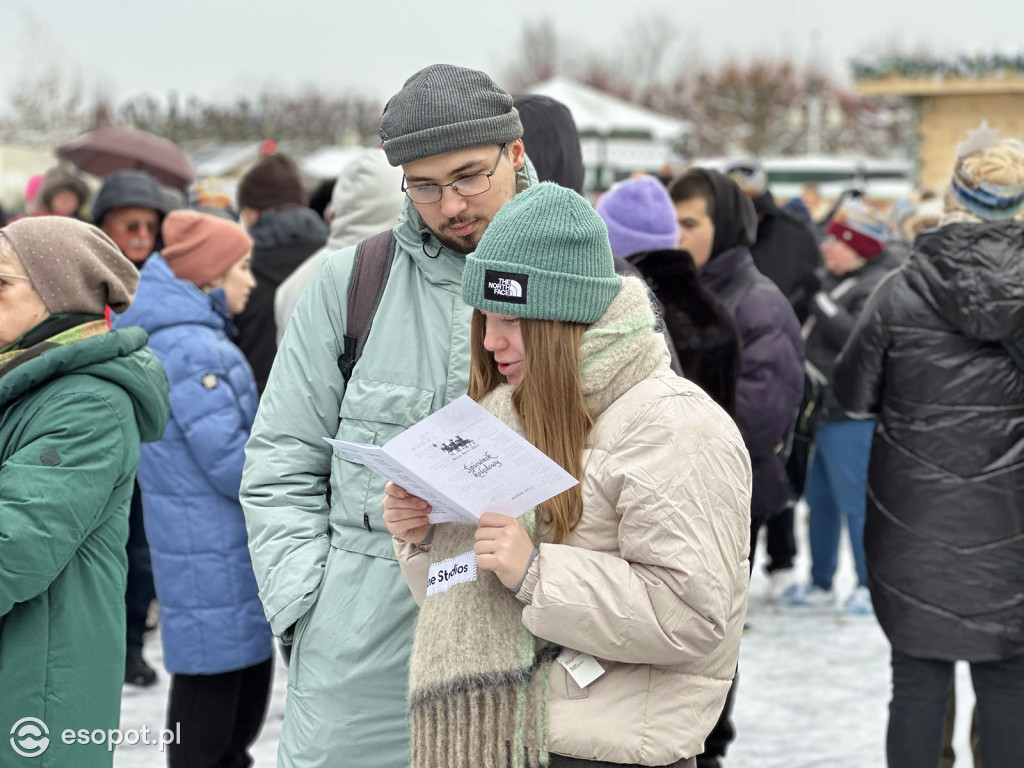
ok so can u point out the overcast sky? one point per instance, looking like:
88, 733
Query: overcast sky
219, 49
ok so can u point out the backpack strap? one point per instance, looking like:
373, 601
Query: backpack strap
370, 272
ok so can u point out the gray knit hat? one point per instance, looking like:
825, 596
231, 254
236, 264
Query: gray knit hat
72, 265
545, 255
444, 108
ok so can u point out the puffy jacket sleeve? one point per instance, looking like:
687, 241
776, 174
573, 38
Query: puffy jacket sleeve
209, 411
859, 372
771, 381
680, 482
834, 321
414, 561
288, 464
48, 507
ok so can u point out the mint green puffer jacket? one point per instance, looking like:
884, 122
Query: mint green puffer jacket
329, 570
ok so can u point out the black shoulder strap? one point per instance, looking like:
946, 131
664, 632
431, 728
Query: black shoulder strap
370, 272
737, 287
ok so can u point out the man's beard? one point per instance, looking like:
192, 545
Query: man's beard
461, 245
466, 245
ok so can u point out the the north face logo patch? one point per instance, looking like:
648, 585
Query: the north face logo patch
49, 458
505, 286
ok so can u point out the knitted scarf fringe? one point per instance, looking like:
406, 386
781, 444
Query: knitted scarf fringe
487, 721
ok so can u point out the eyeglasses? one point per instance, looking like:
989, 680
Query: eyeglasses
12, 277
467, 186
134, 227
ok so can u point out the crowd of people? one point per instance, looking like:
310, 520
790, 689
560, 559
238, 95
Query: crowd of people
696, 355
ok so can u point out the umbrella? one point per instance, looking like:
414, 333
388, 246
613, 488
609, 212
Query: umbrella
106, 150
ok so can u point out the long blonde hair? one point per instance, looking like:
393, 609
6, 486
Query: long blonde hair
549, 403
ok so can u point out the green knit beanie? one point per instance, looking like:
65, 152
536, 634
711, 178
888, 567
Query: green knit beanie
545, 255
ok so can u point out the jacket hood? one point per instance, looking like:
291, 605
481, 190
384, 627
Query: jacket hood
120, 357
973, 275
551, 140
129, 188
162, 301
288, 226
445, 268
367, 199
735, 219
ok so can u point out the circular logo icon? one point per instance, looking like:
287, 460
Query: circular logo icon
30, 737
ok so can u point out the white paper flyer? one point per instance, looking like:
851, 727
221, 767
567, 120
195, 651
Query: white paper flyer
464, 462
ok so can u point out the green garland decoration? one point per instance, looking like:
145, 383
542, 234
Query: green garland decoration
964, 66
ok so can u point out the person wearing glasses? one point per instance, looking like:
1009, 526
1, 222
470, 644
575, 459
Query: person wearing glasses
76, 399
129, 208
322, 555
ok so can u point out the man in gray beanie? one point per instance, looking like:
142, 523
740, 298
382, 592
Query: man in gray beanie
323, 558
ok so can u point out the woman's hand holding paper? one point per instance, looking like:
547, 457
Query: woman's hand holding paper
503, 546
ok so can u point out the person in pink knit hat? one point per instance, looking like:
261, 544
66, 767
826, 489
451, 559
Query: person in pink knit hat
216, 641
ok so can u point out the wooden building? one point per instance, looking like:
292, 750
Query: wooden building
950, 99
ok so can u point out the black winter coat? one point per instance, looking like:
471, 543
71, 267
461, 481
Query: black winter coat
785, 252
701, 330
944, 533
771, 381
833, 313
282, 241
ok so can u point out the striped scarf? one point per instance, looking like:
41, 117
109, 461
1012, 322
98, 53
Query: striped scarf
12, 355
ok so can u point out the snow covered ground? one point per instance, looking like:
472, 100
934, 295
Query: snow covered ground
813, 692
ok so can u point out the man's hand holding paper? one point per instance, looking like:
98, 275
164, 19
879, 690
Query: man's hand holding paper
405, 515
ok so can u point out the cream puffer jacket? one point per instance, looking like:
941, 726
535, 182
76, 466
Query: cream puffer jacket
652, 582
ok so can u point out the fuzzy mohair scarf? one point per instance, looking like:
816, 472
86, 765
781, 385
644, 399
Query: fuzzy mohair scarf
478, 678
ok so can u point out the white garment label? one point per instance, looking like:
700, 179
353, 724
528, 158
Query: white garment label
582, 667
447, 573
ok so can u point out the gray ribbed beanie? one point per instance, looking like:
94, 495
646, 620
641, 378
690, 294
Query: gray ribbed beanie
72, 265
444, 108
545, 255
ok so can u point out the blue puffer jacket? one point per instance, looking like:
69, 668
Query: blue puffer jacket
211, 618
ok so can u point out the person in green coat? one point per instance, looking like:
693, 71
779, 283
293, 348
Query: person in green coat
324, 561
75, 401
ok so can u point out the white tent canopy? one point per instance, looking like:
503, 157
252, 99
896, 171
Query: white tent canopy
598, 112
328, 162
225, 159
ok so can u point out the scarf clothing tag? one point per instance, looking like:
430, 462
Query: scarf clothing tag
447, 573
582, 667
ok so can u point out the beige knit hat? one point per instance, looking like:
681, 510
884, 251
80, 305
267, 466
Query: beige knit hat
72, 265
